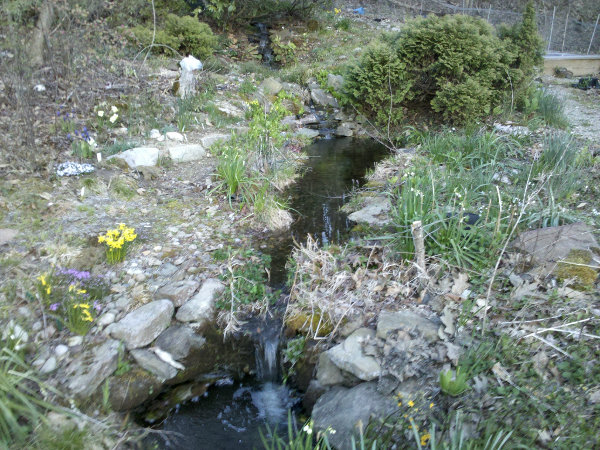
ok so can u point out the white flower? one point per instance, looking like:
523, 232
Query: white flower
92, 142
114, 108
100, 113
307, 429
113, 118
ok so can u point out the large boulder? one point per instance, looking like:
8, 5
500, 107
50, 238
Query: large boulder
323, 98
201, 307
141, 326
344, 410
179, 341
139, 156
349, 355
374, 213
131, 389
390, 321
91, 368
550, 245
178, 292
147, 360
271, 86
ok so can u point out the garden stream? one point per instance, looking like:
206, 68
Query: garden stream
229, 416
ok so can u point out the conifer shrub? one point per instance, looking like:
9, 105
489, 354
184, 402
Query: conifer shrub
526, 46
379, 84
185, 34
453, 65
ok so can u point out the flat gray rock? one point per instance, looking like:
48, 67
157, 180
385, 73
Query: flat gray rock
201, 307
141, 326
209, 140
389, 322
349, 356
375, 212
89, 370
549, 245
178, 292
186, 152
343, 409
179, 341
306, 132
147, 360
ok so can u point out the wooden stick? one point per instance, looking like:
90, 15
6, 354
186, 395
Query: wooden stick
417, 234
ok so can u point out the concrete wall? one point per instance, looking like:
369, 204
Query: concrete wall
580, 65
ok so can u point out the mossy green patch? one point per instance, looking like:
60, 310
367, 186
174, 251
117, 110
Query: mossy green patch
576, 267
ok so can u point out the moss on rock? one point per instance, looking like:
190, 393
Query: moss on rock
576, 267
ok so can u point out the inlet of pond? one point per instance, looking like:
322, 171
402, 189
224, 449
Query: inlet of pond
230, 416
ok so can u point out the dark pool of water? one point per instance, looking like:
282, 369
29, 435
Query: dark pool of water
334, 168
228, 418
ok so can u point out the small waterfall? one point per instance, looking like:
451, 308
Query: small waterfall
266, 356
264, 44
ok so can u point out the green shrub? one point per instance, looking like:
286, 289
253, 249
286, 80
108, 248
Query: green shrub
455, 61
184, 34
378, 84
526, 46
454, 65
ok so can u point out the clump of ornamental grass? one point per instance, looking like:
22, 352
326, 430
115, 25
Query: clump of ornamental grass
117, 242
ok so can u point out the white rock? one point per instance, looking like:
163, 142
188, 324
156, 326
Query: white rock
74, 341
190, 63
15, 333
175, 136
61, 350
49, 365
106, 319
155, 134
139, 156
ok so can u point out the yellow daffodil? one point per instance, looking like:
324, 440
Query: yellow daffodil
42, 279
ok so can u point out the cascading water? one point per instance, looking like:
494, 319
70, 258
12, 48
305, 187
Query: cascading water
229, 416
264, 44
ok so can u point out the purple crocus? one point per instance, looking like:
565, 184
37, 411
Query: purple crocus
54, 306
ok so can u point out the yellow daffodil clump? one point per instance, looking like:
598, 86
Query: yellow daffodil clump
117, 241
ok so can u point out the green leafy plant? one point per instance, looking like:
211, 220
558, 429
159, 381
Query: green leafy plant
453, 383
283, 49
183, 34
291, 355
245, 282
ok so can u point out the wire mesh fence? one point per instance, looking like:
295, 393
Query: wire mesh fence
561, 30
